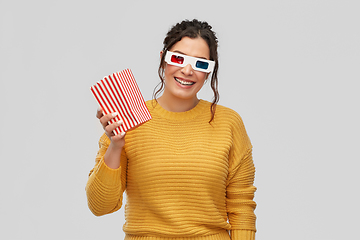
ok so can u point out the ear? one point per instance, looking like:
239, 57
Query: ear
164, 63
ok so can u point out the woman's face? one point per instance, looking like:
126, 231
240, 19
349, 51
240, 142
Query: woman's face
184, 82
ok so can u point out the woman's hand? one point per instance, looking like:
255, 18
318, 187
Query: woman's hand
117, 141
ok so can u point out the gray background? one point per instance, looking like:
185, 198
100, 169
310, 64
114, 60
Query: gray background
288, 67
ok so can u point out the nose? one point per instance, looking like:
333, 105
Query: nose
187, 70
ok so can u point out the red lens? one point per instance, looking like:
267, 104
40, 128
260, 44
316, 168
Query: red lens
177, 59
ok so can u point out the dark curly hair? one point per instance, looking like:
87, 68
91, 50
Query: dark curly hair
192, 29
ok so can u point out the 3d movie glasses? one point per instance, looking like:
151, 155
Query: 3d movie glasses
181, 60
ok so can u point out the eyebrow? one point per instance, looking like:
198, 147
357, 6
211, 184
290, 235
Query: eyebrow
177, 51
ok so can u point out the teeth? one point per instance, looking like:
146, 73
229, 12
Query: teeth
183, 82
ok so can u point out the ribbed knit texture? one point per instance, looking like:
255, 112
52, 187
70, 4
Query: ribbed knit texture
184, 178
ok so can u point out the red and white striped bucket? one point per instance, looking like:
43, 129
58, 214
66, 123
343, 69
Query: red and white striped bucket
120, 93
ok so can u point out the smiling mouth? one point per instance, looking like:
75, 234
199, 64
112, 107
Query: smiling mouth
185, 83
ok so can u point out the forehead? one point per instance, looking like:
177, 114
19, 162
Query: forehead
195, 47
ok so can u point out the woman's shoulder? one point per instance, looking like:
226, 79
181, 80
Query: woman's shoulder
150, 103
226, 112
229, 117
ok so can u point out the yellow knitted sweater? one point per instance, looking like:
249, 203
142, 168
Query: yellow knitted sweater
184, 178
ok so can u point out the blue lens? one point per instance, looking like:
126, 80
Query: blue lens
202, 65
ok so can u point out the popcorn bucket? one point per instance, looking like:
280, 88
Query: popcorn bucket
120, 93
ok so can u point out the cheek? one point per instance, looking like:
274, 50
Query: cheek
201, 76
169, 70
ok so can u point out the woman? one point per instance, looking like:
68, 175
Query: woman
188, 173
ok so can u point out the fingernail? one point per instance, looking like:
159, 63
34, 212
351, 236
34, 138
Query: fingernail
120, 122
122, 134
115, 114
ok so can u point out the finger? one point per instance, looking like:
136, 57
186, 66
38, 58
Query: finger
106, 118
119, 136
111, 127
99, 113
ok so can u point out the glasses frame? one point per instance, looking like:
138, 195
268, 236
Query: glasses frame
190, 60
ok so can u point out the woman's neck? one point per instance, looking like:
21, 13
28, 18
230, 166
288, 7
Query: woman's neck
177, 104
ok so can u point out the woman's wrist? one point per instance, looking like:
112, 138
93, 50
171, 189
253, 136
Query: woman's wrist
112, 156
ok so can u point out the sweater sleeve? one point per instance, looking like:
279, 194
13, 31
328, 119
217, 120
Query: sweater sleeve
105, 186
240, 189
